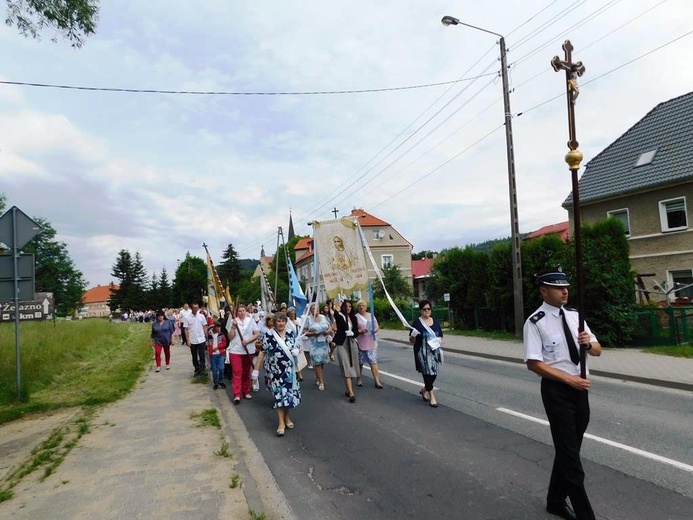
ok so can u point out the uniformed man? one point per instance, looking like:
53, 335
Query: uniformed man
551, 350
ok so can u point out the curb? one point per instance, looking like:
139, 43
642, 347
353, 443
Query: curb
259, 487
676, 385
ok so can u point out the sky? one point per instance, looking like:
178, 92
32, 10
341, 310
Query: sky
163, 173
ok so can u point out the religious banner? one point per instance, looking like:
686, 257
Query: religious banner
340, 256
214, 290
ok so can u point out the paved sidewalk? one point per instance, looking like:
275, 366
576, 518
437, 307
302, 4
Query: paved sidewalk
626, 364
145, 458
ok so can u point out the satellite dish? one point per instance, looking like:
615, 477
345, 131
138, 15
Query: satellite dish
381, 234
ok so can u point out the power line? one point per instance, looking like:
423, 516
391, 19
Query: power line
409, 137
452, 114
440, 166
547, 24
545, 70
348, 183
530, 18
576, 25
625, 64
231, 93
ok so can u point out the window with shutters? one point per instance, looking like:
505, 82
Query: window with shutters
623, 216
672, 214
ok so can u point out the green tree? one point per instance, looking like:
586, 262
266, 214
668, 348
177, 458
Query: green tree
395, 283
3, 202
122, 271
74, 19
463, 273
190, 282
152, 293
164, 296
55, 270
423, 254
133, 281
249, 289
538, 254
609, 292
500, 295
279, 278
229, 270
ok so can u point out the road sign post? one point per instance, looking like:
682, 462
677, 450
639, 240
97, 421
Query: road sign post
446, 298
17, 230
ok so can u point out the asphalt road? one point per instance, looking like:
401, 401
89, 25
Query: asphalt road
390, 456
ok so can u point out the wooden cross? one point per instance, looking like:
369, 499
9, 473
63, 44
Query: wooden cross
335, 211
572, 72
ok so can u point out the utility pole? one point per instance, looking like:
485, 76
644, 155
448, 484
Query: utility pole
518, 298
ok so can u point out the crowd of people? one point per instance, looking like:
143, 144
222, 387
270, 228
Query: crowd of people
241, 344
246, 341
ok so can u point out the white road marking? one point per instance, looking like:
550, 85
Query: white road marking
625, 447
406, 380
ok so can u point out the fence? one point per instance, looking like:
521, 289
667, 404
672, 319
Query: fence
664, 326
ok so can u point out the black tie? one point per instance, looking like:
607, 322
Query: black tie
572, 348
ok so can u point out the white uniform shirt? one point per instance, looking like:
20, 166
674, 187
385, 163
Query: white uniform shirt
248, 327
197, 328
185, 314
545, 341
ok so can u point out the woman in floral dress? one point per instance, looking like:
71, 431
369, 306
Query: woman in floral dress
280, 362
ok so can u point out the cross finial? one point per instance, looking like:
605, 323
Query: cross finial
572, 72
335, 211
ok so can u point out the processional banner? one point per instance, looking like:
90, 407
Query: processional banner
340, 256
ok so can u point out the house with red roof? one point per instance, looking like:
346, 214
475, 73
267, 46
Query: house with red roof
561, 230
96, 301
421, 272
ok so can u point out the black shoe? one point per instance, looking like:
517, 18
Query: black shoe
352, 397
562, 510
215, 386
222, 384
379, 386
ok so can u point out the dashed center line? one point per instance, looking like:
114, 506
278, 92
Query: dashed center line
614, 444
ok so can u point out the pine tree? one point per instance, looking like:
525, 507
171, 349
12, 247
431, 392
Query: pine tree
229, 270
164, 297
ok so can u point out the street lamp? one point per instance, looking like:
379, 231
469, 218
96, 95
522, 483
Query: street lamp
514, 221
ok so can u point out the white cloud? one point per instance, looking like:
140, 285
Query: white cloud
163, 173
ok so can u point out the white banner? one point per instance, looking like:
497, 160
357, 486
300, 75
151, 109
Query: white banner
342, 262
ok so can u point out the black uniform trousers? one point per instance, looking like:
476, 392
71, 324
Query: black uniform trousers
568, 411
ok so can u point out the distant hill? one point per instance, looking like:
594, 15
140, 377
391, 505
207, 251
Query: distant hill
488, 245
248, 264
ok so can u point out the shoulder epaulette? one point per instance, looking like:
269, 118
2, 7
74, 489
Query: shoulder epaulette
539, 315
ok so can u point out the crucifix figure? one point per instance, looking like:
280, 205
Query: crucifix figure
572, 72
335, 211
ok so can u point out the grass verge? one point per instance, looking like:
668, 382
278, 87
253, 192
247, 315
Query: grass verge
49, 454
208, 417
684, 351
91, 362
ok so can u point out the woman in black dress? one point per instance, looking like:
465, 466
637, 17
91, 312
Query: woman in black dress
426, 336
346, 346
